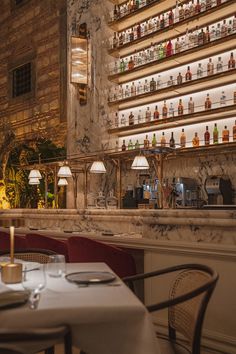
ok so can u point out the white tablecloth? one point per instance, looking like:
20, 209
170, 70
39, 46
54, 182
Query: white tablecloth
104, 319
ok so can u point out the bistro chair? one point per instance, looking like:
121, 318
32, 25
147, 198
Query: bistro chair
45, 339
188, 299
31, 255
49, 243
82, 249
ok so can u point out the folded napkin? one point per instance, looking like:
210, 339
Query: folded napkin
11, 298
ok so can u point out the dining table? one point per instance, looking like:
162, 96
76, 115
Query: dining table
104, 317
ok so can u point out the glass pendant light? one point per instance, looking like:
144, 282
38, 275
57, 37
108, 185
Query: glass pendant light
64, 171
140, 163
62, 182
98, 167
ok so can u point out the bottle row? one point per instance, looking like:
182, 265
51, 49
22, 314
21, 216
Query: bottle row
190, 40
165, 20
135, 89
196, 141
174, 15
169, 111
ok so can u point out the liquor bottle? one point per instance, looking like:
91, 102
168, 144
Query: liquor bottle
225, 135
234, 23
218, 31
170, 82
208, 4
159, 82
171, 110
115, 40
215, 134
137, 145
190, 106
177, 46
126, 93
231, 62
197, 9
210, 67
153, 85
162, 22
182, 139
123, 120
195, 141
131, 119
179, 79
172, 141
199, 71
163, 139
146, 143
148, 115
131, 35
116, 120
164, 110
201, 37
138, 30
122, 66
140, 116
207, 136
203, 5
156, 113
187, 11
176, 12
208, 102
188, 75
180, 108
234, 97
219, 65
154, 140
181, 13
131, 63
207, 35
223, 99
123, 147
234, 131
224, 29
111, 201
171, 17
213, 33
169, 49
115, 13
139, 88
160, 51
133, 89
230, 27
130, 145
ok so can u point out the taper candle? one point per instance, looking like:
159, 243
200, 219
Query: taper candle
12, 243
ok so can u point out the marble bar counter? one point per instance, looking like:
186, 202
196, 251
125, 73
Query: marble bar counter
187, 225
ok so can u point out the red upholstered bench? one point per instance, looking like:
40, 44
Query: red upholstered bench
20, 241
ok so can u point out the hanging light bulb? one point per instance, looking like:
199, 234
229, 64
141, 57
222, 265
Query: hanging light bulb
62, 182
98, 167
34, 181
140, 163
64, 171
35, 174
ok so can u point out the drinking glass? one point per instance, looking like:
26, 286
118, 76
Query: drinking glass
56, 267
34, 280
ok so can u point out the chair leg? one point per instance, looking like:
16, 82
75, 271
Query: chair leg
50, 350
68, 344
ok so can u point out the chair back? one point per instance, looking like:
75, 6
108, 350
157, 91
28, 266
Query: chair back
48, 243
187, 317
31, 255
82, 249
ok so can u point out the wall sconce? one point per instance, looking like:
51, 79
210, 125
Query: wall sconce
79, 62
98, 167
140, 163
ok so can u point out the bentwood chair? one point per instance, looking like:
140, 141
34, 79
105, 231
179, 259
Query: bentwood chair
31, 255
82, 249
188, 299
45, 339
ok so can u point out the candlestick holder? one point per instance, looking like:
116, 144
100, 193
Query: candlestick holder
12, 273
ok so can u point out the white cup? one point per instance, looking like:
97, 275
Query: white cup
56, 266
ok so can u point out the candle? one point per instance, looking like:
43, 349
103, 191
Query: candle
12, 243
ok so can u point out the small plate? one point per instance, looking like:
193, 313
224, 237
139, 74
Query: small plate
90, 277
13, 298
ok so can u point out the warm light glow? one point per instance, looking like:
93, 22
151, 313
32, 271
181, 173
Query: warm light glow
64, 172
34, 181
140, 163
78, 50
79, 60
98, 167
62, 182
35, 174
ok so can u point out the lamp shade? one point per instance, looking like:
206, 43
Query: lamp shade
98, 167
64, 172
62, 182
35, 174
34, 181
140, 163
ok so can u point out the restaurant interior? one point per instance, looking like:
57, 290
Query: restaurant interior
117, 176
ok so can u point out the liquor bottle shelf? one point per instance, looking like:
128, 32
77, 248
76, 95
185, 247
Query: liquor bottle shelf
188, 87
202, 19
177, 121
156, 66
141, 14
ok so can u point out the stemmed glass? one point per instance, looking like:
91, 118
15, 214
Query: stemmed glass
34, 281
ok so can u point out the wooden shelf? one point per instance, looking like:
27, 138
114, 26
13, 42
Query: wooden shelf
141, 14
178, 121
220, 148
188, 87
200, 52
203, 19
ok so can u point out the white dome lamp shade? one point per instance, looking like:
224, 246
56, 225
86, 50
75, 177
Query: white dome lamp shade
98, 167
140, 163
62, 182
35, 174
34, 181
64, 172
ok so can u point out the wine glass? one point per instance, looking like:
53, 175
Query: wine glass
34, 281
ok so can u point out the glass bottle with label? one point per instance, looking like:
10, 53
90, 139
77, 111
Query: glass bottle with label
170, 82
148, 115
190, 106
153, 85
207, 136
139, 118
146, 143
133, 89
111, 201
172, 141
215, 134
199, 71
176, 17
137, 145
126, 93
195, 141
234, 131
154, 140
115, 41
223, 99
131, 63
182, 139
159, 81
101, 201
130, 145
163, 139
180, 108
169, 49
123, 147
210, 67
219, 65
177, 46
231, 62
156, 113
188, 75
179, 79
116, 120
164, 110
145, 86
122, 120
171, 110
225, 135
131, 119
208, 102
